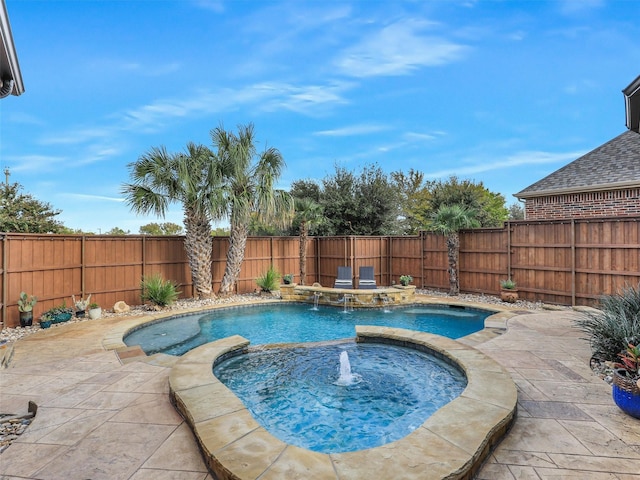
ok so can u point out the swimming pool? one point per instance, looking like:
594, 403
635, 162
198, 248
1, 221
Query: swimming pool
293, 323
383, 393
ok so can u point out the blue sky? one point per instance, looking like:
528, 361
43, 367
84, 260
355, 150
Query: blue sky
503, 92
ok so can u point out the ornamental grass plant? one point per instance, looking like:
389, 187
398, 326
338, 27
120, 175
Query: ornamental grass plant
158, 291
615, 325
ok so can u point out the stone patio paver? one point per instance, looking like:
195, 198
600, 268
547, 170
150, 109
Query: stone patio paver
101, 416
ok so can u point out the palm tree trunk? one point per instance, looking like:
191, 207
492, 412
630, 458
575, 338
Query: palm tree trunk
453, 247
304, 235
235, 256
199, 245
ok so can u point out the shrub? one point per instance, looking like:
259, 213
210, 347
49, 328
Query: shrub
288, 278
270, 281
405, 280
615, 325
158, 291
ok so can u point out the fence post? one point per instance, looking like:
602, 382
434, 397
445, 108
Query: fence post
508, 249
573, 262
3, 303
82, 266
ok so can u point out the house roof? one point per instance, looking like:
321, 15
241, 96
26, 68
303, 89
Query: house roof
10, 76
632, 104
611, 166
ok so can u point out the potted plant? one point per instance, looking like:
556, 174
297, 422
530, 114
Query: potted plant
626, 381
58, 314
25, 306
95, 311
405, 280
81, 305
287, 279
508, 291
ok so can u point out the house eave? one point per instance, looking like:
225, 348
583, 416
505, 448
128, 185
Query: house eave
578, 189
632, 105
10, 75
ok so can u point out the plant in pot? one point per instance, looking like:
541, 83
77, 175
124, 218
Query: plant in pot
626, 381
81, 305
405, 280
25, 306
287, 279
58, 314
508, 291
61, 313
95, 311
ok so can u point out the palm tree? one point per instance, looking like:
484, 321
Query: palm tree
308, 213
449, 220
247, 188
159, 179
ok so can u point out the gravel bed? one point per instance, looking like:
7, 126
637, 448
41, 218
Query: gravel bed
8, 335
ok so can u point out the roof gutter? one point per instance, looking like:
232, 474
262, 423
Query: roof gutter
632, 105
579, 189
10, 75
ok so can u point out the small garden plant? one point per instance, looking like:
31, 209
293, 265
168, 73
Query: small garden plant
405, 280
287, 279
270, 281
629, 361
508, 284
614, 326
158, 291
26, 303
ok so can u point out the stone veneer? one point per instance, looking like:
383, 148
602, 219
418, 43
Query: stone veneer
450, 444
356, 297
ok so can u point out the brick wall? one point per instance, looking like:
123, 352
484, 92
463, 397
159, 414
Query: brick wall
611, 203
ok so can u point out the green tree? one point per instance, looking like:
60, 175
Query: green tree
23, 213
308, 213
117, 231
306, 189
220, 232
157, 229
413, 201
191, 179
248, 187
489, 207
449, 220
516, 212
365, 204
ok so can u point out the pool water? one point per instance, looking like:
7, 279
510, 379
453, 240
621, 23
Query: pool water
293, 323
295, 395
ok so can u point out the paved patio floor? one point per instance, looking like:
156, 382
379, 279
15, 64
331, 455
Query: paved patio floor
102, 416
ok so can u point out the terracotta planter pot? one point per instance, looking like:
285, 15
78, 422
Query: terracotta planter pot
509, 296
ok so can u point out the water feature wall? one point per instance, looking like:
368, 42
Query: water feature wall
316, 294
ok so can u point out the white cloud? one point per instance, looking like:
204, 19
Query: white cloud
98, 198
35, 163
422, 137
398, 49
361, 129
516, 160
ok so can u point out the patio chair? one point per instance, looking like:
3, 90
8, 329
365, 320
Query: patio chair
345, 278
367, 278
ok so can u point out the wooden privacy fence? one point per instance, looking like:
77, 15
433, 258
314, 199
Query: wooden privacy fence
570, 262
